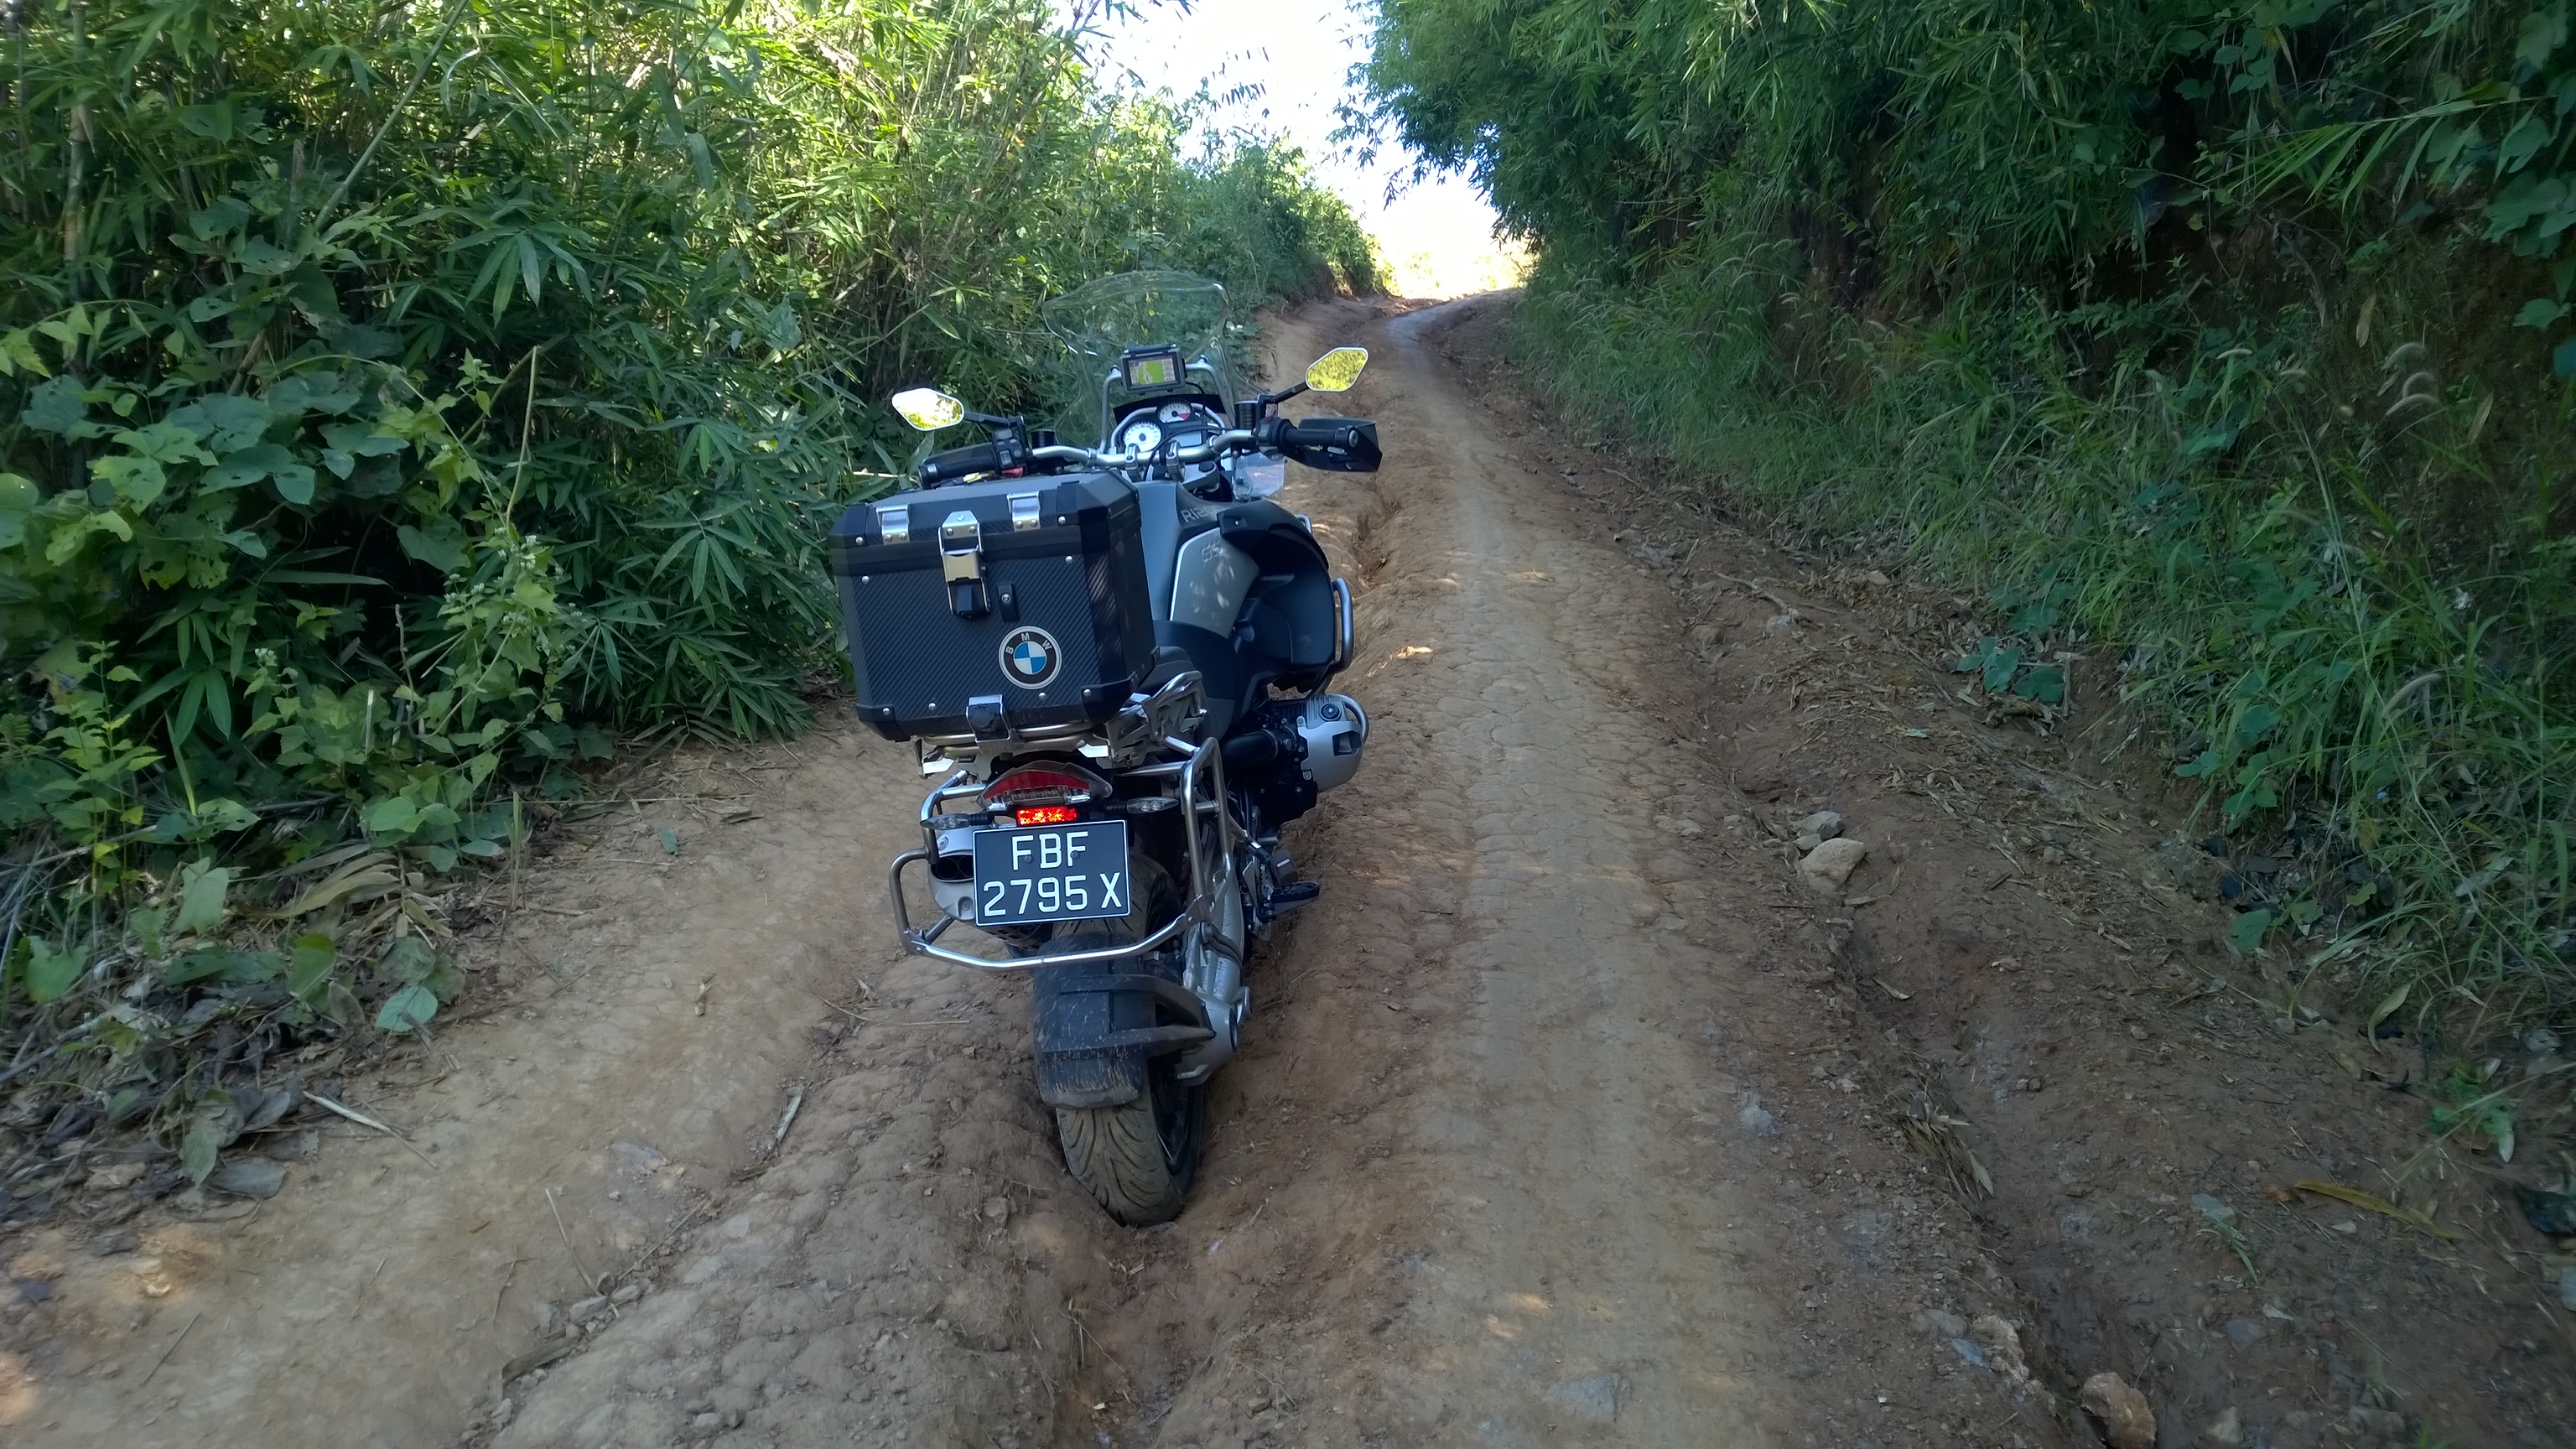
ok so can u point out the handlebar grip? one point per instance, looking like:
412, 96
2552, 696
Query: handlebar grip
1339, 445
956, 463
1328, 433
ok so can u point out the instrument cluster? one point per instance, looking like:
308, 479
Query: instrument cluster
1173, 425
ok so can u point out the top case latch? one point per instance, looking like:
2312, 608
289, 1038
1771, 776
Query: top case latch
961, 563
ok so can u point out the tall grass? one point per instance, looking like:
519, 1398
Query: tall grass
2225, 344
2193, 531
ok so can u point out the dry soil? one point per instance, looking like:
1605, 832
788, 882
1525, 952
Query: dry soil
1571, 1114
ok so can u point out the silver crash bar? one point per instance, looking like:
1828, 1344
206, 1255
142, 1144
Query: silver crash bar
1201, 759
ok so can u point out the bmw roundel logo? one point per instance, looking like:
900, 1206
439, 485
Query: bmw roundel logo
1031, 657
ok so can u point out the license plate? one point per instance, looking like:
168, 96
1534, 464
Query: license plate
1051, 873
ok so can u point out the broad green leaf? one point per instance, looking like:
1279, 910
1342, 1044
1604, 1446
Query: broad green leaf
2539, 312
201, 898
137, 481
226, 422
199, 1149
363, 440
309, 964
50, 972
2045, 683
2000, 665
2543, 31
248, 465
262, 258
223, 216
164, 443
393, 815
407, 1010
198, 965
408, 960
56, 406
18, 498
2249, 930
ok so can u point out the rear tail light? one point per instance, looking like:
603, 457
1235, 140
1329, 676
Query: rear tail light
1045, 815
1045, 785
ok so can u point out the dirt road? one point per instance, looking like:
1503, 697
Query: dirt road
1569, 1115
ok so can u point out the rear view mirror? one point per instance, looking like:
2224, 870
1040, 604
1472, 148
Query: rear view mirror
929, 409
1336, 370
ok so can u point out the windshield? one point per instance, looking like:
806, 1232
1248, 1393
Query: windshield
1102, 321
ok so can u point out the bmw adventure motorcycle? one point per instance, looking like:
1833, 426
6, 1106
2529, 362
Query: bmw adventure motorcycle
1115, 659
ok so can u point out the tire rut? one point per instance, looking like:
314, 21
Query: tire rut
1510, 1158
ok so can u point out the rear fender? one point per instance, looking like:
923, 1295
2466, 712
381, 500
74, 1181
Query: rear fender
1098, 1023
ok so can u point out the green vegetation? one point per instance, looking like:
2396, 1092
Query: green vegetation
397, 400
2225, 345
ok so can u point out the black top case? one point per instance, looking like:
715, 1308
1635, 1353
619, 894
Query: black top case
996, 607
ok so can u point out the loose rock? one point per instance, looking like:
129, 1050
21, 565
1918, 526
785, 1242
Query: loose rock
590, 1307
1594, 1398
251, 1178
1756, 1119
2122, 1412
627, 1294
1831, 863
2002, 1343
2225, 1431
115, 1176
997, 1210
1824, 825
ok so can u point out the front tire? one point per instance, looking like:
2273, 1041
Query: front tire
1136, 1159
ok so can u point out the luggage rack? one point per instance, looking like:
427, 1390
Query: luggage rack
1177, 702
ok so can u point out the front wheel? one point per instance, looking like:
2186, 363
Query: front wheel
1137, 1158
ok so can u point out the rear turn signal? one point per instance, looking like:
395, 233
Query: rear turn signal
1044, 815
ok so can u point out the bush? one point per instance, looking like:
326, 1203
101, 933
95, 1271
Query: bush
2196, 334
395, 404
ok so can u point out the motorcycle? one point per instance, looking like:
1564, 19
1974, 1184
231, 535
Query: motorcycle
1115, 658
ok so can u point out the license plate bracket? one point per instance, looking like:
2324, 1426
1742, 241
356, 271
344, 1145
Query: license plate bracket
1030, 874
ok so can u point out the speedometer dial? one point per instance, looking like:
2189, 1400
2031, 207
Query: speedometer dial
1141, 436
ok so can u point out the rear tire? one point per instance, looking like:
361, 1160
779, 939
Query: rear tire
1136, 1159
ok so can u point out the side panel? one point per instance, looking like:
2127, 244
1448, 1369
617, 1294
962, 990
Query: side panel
1159, 509
1208, 584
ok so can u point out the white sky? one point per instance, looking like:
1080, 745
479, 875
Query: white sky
1438, 236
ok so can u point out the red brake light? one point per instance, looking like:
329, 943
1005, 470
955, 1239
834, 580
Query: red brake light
1044, 785
1045, 815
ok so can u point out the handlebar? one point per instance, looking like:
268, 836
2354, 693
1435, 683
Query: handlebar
1234, 441
1334, 444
